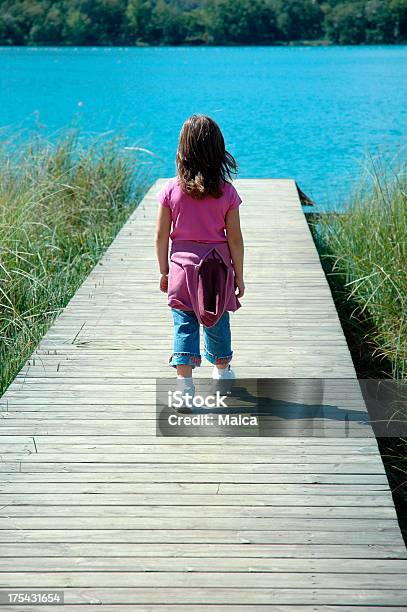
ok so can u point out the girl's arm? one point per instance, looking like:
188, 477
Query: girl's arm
162, 234
236, 246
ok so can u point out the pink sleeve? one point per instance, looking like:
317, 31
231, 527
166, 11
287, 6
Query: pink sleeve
162, 196
234, 198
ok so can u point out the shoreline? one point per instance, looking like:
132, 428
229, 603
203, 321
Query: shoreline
281, 44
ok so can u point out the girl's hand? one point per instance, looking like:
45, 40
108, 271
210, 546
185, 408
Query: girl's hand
164, 283
239, 284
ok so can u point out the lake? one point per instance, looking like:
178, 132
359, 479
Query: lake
310, 113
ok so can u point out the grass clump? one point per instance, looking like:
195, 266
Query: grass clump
363, 247
61, 205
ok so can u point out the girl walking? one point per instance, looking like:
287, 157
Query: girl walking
199, 212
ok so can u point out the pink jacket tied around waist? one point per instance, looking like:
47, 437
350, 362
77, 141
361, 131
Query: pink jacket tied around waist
201, 278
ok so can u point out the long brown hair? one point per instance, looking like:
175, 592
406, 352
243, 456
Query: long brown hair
203, 164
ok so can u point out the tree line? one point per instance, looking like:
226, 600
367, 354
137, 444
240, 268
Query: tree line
206, 22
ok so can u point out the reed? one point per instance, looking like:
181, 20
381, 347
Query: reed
61, 205
363, 247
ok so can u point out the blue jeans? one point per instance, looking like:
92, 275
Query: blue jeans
217, 340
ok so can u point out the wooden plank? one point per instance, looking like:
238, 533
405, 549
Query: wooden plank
202, 500
193, 488
200, 564
193, 523
143, 477
365, 554
198, 536
227, 608
49, 445
17, 448
253, 580
337, 445
117, 465
137, 455
235, 596
98, 509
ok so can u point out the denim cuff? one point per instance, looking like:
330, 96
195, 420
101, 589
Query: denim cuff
216, 360
184, 359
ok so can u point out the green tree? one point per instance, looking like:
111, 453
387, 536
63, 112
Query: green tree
240, 21
108, 18
398, 9
346, 23
299, 19
139, 21
379, 22
78, 29
170, 23
48, 29
13, 29
18, 17
196, 24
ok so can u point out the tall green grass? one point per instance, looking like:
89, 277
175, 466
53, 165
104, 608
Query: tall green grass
61, 205
363, 247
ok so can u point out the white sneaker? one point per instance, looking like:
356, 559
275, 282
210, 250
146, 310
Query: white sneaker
187, 388
223, 374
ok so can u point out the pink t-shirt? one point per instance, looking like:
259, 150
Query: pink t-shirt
199, 220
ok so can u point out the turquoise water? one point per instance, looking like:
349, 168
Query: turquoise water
301, 112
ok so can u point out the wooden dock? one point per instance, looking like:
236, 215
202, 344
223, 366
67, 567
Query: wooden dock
94, 504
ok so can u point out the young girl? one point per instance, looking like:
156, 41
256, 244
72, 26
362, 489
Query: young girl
199, 211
